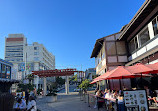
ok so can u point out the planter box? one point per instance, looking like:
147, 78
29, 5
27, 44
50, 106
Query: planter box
51, 99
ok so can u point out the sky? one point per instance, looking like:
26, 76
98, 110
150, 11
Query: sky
67, 28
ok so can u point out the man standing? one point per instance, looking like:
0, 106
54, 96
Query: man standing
27, 95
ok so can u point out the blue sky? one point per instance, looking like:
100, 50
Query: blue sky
67, 28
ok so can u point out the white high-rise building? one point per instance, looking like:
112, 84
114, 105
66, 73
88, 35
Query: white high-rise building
14, 47
27, 58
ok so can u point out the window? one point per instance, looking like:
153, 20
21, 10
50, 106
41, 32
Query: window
121, 49
103, 52
8, 75
111, 49
35, 48
36, 53
155, 25
36, 58
144, 37
3, 70
133, 44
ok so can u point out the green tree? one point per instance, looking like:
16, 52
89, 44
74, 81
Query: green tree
74, 78
85, 84
30, 77
60, 81
23, 87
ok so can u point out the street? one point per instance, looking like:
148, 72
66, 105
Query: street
71, 89
65, 102
70, 102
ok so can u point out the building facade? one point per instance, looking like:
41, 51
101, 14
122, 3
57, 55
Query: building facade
142, 37
90, 73
135, 43
109, 53
5, 75
14, 47
27, 58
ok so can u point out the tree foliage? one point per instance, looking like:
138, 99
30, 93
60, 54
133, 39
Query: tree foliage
30, 77
23, 87
74, 78
85, 84
60, 81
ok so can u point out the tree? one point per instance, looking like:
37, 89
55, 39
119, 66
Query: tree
23, 87
85, 84
60, 81
30, 77
74, 78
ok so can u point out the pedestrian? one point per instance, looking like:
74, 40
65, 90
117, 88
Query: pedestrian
96, 91
153, 96
27, 96
20, 105
31, 104
100, 100
121, 106
33, 93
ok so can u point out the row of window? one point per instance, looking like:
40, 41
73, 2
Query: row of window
14, 59
14, 49
139, 40
143, 36
113, 48
5, 71
100, 56
14, 54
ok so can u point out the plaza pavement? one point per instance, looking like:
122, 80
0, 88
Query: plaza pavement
70, 102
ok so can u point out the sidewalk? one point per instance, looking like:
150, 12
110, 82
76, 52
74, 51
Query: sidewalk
69, 102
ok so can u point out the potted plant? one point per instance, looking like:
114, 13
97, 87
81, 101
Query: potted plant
52, 96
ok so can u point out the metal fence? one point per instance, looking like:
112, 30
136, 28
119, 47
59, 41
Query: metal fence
6, 102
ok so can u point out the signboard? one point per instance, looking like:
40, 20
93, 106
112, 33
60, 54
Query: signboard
136, 100
29, 66
21, 67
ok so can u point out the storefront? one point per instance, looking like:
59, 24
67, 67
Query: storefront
5, 85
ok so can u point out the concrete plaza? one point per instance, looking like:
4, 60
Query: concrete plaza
70, 102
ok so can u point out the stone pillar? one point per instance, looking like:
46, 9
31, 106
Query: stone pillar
44, 86
67, 84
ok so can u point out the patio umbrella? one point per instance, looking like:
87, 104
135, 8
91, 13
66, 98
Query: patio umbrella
154, 67
139, 69
122, 73
96, 79
99, 78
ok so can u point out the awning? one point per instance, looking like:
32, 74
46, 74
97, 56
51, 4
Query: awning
8, 80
